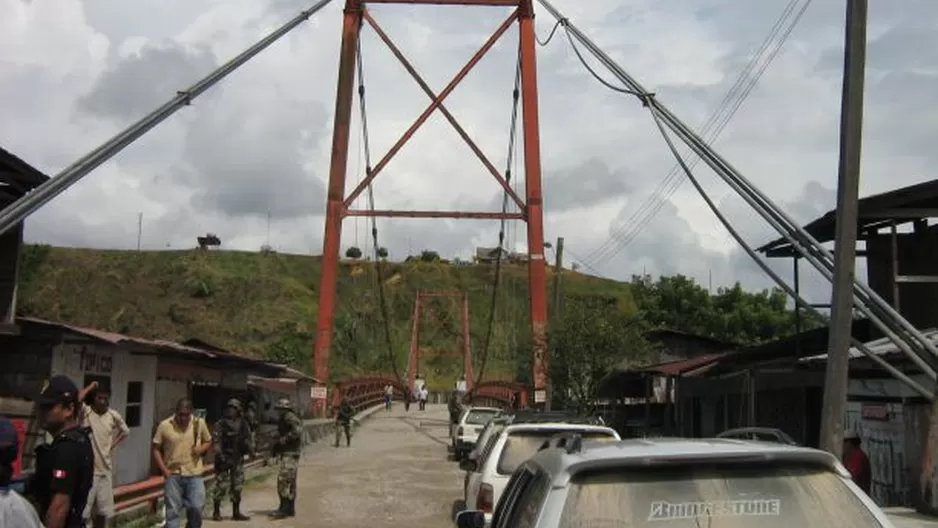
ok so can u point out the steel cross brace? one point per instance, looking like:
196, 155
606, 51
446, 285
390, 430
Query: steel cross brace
437, 103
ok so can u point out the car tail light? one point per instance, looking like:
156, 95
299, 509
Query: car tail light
459, 431
484, 501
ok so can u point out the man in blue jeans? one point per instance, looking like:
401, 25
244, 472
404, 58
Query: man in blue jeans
179, 444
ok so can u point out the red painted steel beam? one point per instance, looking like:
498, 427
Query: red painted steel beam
445, 111
430, 109
385, 213
537, 274
448, 2
336, 190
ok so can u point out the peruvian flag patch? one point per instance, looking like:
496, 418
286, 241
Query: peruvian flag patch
58, 473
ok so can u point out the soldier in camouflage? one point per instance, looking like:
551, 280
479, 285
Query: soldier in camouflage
287, 448
232, 441
253, 422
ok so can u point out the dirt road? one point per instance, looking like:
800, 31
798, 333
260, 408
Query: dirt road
395, 474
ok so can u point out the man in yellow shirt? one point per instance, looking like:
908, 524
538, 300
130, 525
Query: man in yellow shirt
179, 444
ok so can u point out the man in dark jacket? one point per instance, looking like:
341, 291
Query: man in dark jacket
343, 422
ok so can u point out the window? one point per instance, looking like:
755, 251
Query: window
132, 412
528, 505
522, 445
769, 495
479, 417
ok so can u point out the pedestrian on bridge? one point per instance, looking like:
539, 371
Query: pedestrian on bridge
287, 449
424, 395
232, 442
343, 422
388, 396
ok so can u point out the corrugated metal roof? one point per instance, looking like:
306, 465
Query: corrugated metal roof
881, 347
682, 366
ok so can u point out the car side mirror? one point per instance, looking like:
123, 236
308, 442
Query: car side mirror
468, 465
470, 519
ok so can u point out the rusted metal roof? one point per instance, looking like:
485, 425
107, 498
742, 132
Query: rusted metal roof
683, 366
157, 346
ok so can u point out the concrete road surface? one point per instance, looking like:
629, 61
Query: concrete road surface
908, 518
395, 474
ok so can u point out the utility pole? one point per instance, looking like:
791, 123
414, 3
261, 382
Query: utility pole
139, 229
848, 180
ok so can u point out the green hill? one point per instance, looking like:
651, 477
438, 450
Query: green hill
266, 304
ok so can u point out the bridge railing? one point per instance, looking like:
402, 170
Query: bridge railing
499, 394
364, 393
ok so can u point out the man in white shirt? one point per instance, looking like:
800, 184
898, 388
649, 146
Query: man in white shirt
15, 511
108, 430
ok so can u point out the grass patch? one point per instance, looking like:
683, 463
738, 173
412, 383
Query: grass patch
265, 305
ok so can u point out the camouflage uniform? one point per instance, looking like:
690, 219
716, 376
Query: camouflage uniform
343, 422
287, 448
232, 441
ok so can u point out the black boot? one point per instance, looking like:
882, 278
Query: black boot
236, 514
281, 511
291, 511
216, 515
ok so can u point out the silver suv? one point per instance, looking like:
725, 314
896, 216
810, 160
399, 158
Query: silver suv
677, 483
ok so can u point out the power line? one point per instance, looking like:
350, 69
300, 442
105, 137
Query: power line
714, 126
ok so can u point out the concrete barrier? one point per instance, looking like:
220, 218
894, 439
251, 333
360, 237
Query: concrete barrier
319, 428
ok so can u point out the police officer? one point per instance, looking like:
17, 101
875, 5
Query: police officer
65, 468
287, 447
232, 441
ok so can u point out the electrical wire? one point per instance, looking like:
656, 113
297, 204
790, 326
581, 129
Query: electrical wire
379, 262
550, 36
512, 137
799, 301
713, 128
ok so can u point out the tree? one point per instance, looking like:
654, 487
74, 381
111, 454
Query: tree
429, 256
353, 253
383, 252
595, 334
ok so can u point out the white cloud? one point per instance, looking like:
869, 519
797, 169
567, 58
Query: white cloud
74, 74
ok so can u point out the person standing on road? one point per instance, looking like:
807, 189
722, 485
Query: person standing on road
64, 468
287, 449
108, 430
15, 510
232, 441
455, 409
424, 394
179, 444
388, 396
856, 462
343, 422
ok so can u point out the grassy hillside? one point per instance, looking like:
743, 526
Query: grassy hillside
266, 304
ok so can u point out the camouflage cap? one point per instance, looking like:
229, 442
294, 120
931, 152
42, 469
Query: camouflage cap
284, 403
233, 402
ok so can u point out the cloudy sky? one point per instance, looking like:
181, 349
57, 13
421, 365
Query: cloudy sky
75, 72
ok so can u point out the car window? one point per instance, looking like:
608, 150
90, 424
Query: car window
479, 416
522, 445
718, 496
487, 450
524, 513
501, 517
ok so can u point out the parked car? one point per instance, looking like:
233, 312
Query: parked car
759, 434
470, 425
510, 448
674, 482
504, 418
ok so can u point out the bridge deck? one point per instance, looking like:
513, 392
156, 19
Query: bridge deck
394, 474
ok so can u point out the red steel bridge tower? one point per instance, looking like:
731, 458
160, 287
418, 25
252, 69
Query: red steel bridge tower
338, 205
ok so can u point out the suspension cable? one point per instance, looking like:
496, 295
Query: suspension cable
713, 128
781, 282
379, 268
513, 134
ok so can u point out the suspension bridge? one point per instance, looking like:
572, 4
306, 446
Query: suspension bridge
688, 147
